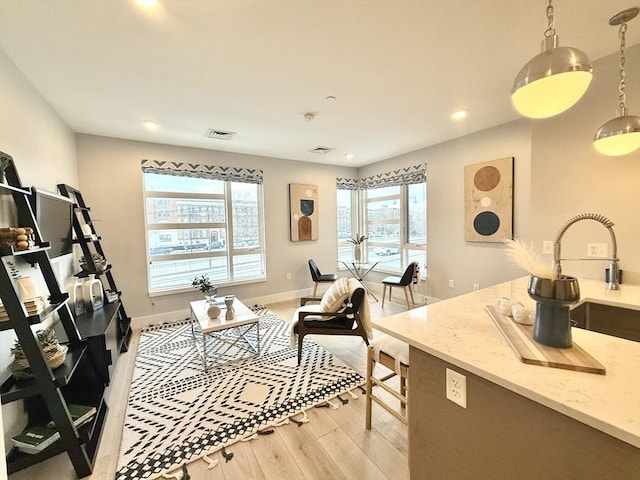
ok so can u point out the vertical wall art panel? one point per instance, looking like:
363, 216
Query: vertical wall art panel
303, 206
488, 201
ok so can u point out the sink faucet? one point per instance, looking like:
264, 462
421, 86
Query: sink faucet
613, 261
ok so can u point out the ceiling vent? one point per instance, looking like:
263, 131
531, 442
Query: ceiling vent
322, 150
219, 134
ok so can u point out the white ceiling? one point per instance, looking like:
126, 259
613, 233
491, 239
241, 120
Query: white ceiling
398, 69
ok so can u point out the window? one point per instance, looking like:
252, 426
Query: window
201, 224
393, 218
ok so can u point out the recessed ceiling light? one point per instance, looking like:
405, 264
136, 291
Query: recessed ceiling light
348, 156
150, 124
147, 3
330, 98
459, 114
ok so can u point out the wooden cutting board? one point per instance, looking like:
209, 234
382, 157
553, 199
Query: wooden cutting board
529, 351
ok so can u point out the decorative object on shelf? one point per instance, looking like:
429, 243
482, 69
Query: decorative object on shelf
213, 310
33, 306
203, 284
86, 229
357, 241
19, 238
92, 292
228, 301
98, 260
53, 352
621, 134
27, 288
4, 163
520, 314
552, 81
303, 212
488, 201
77, 297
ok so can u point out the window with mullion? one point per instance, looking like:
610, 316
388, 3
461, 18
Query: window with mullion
201, 226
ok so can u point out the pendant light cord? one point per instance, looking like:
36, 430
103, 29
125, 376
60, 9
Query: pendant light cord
622, 99
551, 29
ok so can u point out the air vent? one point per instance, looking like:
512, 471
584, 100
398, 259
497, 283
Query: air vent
219, 134
322, 150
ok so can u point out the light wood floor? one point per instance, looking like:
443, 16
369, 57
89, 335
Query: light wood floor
333, 445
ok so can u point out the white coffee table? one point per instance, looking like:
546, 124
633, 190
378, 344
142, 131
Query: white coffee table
232, 332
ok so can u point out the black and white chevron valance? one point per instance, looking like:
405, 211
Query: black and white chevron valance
196, 170
347, 183
402, 176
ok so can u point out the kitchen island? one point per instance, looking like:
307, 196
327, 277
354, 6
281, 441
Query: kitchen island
522, 421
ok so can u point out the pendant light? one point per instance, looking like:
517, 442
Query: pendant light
621, 134
552, 81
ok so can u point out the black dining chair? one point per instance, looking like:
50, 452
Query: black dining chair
404, 282
318, 277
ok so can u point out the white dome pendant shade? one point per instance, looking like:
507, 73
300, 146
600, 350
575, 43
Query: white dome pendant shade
552, 81
621, 134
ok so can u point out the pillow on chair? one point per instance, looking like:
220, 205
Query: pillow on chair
335, 297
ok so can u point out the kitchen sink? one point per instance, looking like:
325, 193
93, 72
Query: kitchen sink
616, 321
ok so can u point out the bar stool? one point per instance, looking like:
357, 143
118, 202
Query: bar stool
393, 354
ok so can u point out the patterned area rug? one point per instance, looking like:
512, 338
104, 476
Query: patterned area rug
177, 412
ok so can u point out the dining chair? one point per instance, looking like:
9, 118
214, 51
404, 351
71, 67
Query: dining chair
318, 277
404, 282
394, 355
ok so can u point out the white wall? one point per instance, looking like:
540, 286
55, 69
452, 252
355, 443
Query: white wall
111, 184
44, 150
570, 177
448, 255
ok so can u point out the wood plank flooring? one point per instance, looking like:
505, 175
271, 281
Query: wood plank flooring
333, 445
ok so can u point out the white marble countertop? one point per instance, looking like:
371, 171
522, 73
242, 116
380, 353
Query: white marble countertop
460, 331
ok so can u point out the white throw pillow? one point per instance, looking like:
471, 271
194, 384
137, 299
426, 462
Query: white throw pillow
337, 294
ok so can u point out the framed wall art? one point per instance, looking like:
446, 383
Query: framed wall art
488, 201
303, 207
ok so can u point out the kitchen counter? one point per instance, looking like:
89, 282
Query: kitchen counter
460, 332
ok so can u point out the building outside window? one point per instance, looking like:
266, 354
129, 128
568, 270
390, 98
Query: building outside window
202, 224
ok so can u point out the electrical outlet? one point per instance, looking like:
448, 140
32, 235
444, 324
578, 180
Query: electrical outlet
547, 247
597, 250
476, 287
452, 284
288, 276
457, 388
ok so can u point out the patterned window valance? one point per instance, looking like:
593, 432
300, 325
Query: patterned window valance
402, 176
212, 172
347, 183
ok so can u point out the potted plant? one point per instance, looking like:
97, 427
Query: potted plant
53, 352
357, 241
26, 286
203, 284
98, 261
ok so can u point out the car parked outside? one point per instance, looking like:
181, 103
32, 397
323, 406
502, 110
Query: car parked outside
386, 251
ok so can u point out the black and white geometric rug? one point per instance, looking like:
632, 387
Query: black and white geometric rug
177, 412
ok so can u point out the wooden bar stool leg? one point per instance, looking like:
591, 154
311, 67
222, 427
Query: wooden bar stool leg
369, 385
403, 390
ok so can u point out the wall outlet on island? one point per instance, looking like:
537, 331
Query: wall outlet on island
476, 287
457, 388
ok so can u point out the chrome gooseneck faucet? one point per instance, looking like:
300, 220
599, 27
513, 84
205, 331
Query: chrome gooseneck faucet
613, 261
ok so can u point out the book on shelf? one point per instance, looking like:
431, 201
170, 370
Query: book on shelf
80, 414
35, 439
33, 306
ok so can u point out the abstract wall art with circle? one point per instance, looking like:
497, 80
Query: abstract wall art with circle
303, 205
488, 201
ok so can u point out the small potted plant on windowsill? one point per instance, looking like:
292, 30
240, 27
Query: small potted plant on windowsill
203, 284
357, 241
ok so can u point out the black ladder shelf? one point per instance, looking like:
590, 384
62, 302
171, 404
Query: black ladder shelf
47, 391
85, 241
